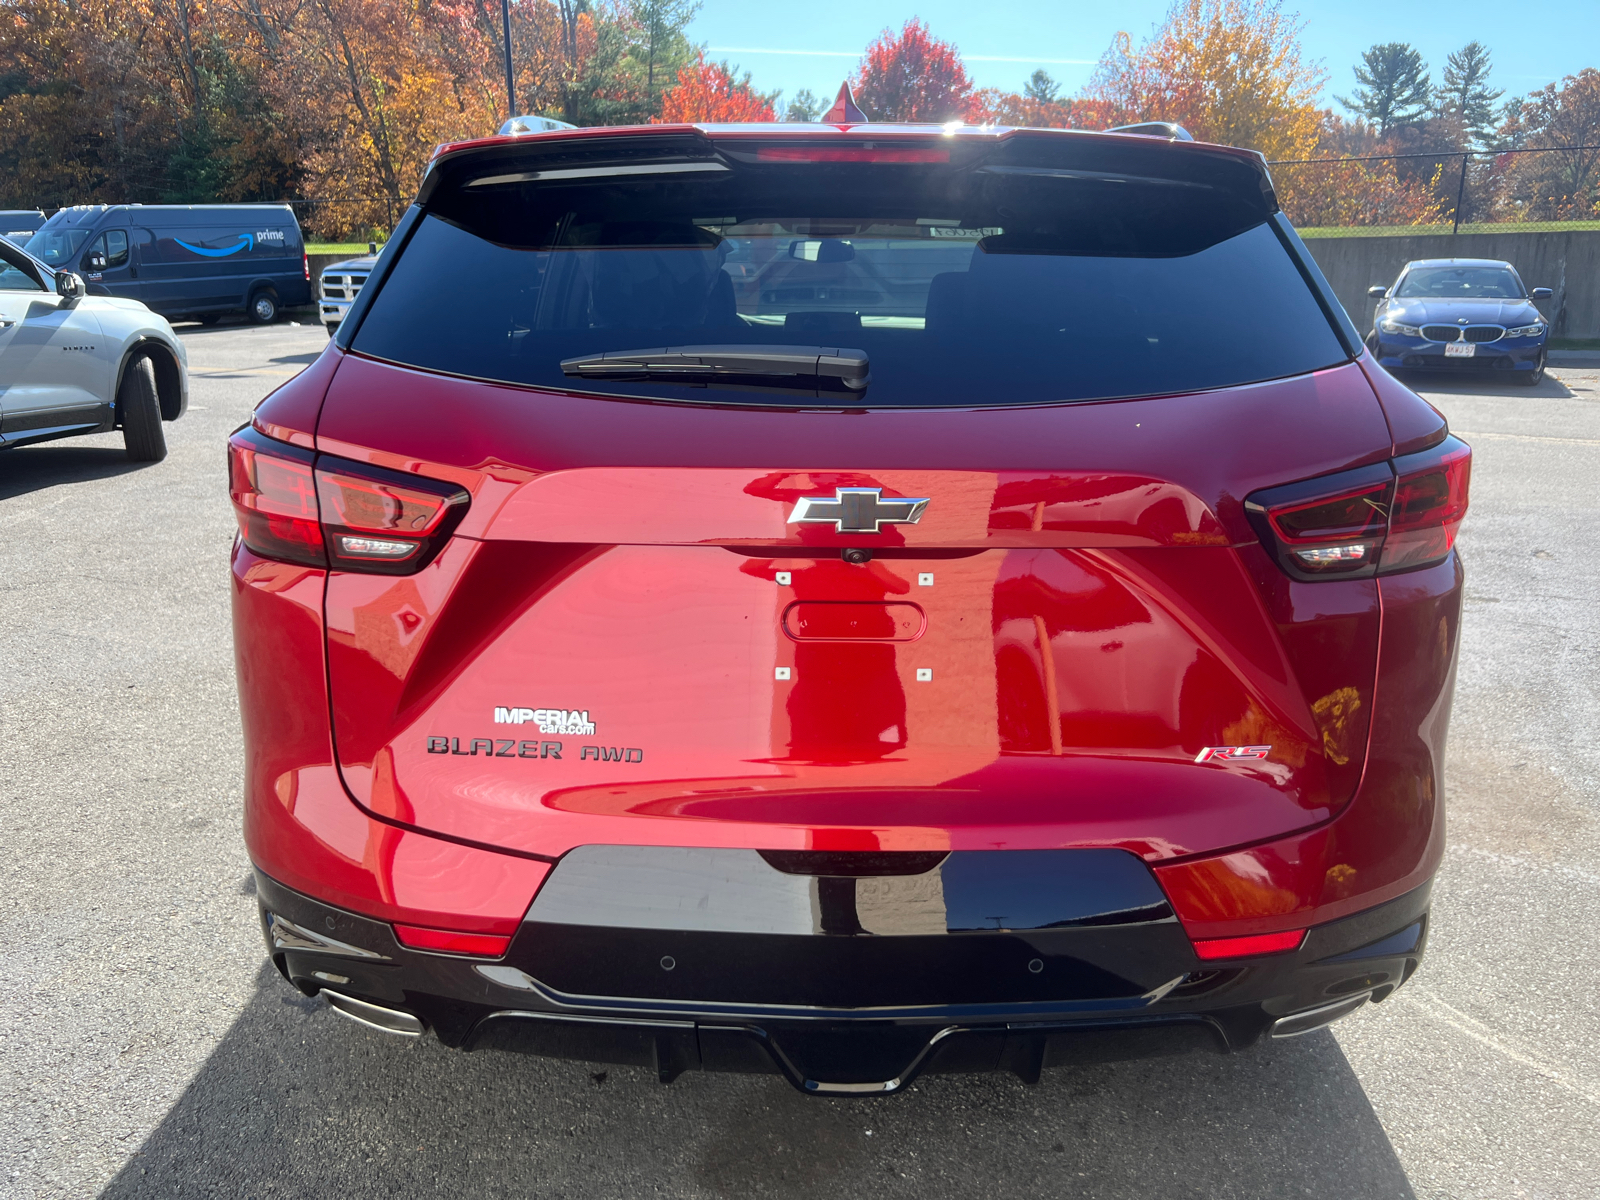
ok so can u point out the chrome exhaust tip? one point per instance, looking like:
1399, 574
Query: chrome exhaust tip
374, 1016
1315, 1018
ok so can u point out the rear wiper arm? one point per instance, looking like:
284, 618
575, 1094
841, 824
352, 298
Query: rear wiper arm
818, 369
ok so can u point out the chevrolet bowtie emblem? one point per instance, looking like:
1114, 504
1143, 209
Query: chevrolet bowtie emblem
858, 510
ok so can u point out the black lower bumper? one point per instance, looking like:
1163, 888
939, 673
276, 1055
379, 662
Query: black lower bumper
839, 990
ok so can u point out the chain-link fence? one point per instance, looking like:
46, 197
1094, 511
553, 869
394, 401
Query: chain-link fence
1548, 189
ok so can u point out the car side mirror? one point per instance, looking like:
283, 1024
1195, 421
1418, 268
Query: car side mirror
1377, 291
1541, 293
97, 261
70, 285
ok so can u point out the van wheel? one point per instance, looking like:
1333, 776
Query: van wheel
140, 409
264, 307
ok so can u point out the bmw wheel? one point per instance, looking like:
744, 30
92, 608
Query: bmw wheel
140, 409
264, 307
1534, 377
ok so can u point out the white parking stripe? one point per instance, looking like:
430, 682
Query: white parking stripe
1430, 1005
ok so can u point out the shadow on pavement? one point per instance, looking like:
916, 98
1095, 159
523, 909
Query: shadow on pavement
31, 468
297, 1101
1496, 384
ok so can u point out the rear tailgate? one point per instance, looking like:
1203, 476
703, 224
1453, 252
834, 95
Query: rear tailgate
629, 640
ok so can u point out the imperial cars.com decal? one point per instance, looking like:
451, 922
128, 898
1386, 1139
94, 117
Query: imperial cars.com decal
572, 722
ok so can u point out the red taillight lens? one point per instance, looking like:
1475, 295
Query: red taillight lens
377, 520
275, 498
1332, 526
305, 265
1377, 520
299, 507
882, 154
1430, 501
1210, 949
480, 945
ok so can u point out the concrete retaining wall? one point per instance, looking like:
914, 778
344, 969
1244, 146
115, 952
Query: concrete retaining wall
1568, 263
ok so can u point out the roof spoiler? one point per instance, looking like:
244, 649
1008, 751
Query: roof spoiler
1170, 130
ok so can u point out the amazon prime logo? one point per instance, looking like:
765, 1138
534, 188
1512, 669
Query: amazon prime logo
858, 510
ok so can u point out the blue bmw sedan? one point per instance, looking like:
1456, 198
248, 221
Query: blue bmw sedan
1447, 314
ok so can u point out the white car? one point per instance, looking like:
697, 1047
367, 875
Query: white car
71, 363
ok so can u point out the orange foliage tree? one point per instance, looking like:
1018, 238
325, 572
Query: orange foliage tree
710, 93
912, 76
1229, 71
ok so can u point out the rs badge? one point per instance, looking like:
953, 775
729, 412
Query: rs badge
1232, 753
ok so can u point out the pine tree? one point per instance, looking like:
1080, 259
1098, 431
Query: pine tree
1394, 90
1466, 91
1041, 87
804, 108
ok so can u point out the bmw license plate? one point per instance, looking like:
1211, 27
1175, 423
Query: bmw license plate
1460, 349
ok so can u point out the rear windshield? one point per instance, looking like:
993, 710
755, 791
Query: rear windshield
965, 284
1461, 283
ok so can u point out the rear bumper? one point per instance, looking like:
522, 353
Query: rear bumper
719, 1021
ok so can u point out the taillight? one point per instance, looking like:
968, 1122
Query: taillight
382, 521
880, 154
274, 494
301, 507
305, 265
1393, 516
1430, 500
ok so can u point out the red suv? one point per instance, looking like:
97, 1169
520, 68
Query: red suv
846, 601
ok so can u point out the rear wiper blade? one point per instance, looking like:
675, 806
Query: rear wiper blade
820, 369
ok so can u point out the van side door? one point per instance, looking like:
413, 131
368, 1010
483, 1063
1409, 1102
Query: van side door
108, 265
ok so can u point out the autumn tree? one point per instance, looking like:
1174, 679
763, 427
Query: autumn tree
709, 92
911, 76
1229, 71
991, 106
1393, 89
1565, 183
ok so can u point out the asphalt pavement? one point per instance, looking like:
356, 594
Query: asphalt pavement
147, 1050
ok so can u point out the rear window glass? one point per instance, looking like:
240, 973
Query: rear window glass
961, 284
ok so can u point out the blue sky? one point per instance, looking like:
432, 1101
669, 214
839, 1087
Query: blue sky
1533, 42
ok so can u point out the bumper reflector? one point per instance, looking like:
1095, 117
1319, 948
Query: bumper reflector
479, 945
1245, 947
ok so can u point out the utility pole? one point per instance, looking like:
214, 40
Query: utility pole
511, 79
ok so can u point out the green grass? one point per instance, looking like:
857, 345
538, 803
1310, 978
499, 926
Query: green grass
1344, 231
338, 247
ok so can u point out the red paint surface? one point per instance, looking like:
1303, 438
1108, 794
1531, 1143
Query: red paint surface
301, 827
1100, 611
289, 412
1414, 424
